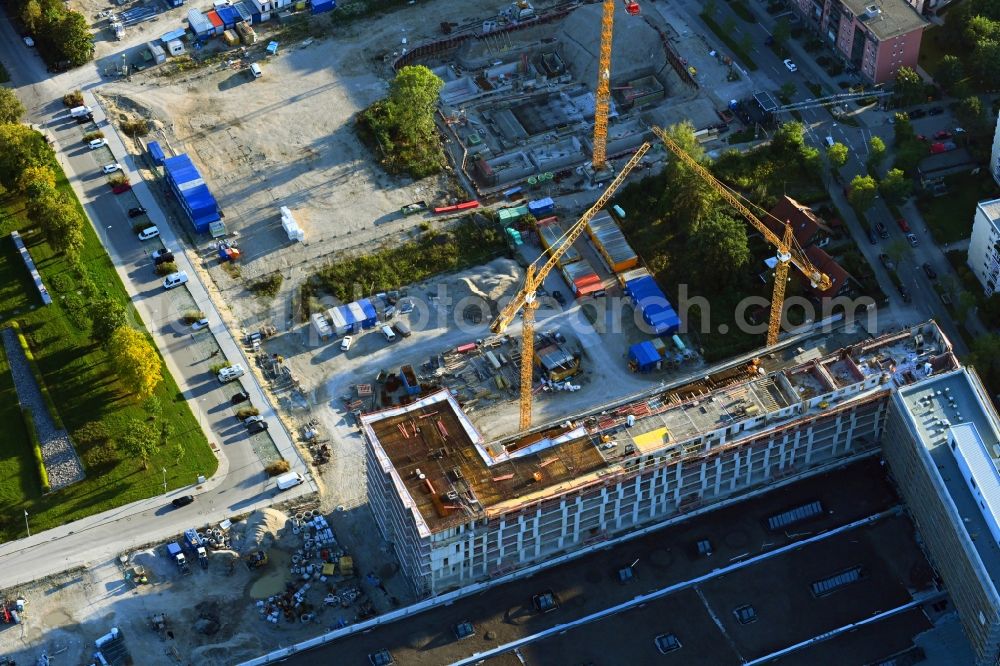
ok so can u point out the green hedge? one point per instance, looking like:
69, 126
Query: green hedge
36, 447
46, 396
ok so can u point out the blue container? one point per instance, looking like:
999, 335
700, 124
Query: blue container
155, 152
542, 206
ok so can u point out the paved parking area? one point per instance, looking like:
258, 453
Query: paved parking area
778, 589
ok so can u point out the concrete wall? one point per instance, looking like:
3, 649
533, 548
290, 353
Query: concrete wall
945, 540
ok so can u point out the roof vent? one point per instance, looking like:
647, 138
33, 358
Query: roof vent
871, 11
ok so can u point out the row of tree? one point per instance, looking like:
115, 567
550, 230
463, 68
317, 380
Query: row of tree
61, 35
975, 24
26, 169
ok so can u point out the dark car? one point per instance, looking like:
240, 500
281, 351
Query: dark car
163, 259
242, 396
182, 501
930, 272
256, 426
942, 135
873, 237
917, 113
882, 231
136, 212
935, 111
560, 299
904, 293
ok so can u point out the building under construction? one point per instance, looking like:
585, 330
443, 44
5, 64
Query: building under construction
459, 509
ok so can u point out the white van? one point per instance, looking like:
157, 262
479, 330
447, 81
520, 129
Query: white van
149, 232
256, 71
389, 335
175, 280
829, 142
231, 373
289, 480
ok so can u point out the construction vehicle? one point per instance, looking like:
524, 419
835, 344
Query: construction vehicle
177, 555
602, 100
194, 542
534, 278
256, 560
788, 249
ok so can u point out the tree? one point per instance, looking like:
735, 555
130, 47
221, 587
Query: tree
950, 72
876, 152
106, 316
897, 250
789, 139
837, 155
59, 219
686, 199
71, 39
36, 181
402, 124
896, 187
863, 191
970, 113
136, 362
902, 129
786, 91
719, 241
11, 108
138, 440
782, 31
20, 147
909, 86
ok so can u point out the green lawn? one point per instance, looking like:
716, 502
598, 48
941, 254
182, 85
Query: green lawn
949, 217
84, 386
933, 47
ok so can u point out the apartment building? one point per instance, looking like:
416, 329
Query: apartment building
995, 154
459, 509
942, 445
875, 36
984, 246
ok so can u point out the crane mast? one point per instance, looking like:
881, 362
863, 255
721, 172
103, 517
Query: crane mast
525, 300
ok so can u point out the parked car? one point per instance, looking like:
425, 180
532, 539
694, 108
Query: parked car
256, 427
200, 324
930, 272
917, 113
790, 66
401, 329
97, 143
912, 240
159, 253
903, 225
231, 373
381, 658
345, 344
904, 293
882, 231
873, 237
935, 111
175, 280
184, 500
163, 259
111, 168
941, 135
28, 41
240, 397
256, 418
148, 232
136, 212
887, 262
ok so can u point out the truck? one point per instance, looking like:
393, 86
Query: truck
413, 208
177, 555
197, 545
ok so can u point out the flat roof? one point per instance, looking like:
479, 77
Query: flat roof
991, 209
895, 18
445, 470
934, 406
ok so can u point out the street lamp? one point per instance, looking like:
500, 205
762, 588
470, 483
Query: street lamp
26, 522
164, 480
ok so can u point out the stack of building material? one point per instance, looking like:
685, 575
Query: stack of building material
550, 232
582, 278
230, 38
247, 34
610, 242
291, 226
656, 310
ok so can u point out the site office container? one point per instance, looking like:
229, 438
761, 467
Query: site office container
610, 242
582, 278
631, 274
218, 27
656, 310
541, 206
550, 231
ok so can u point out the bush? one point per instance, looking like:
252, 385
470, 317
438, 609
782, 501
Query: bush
36, 448
191, 316
215, 369
268, 286
74, 98
277, 467
135, 128
90, 136
166, 268
246, 412
92, 433
118, 179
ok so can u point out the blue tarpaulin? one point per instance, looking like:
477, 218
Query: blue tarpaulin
644, 356
191, 191
320, 6
656, 310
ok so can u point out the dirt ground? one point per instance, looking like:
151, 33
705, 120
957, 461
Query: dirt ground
213, 616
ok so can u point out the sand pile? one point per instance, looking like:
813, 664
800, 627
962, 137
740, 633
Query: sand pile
495, 282
260, 530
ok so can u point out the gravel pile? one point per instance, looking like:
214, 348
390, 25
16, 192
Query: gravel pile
61, 462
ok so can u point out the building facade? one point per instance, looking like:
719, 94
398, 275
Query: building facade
874, 37
605, 476
995, 154
984, 246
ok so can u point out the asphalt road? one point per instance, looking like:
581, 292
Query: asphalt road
240, 483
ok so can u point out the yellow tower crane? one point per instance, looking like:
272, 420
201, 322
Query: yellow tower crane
788, 249
602, 100
534, 278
